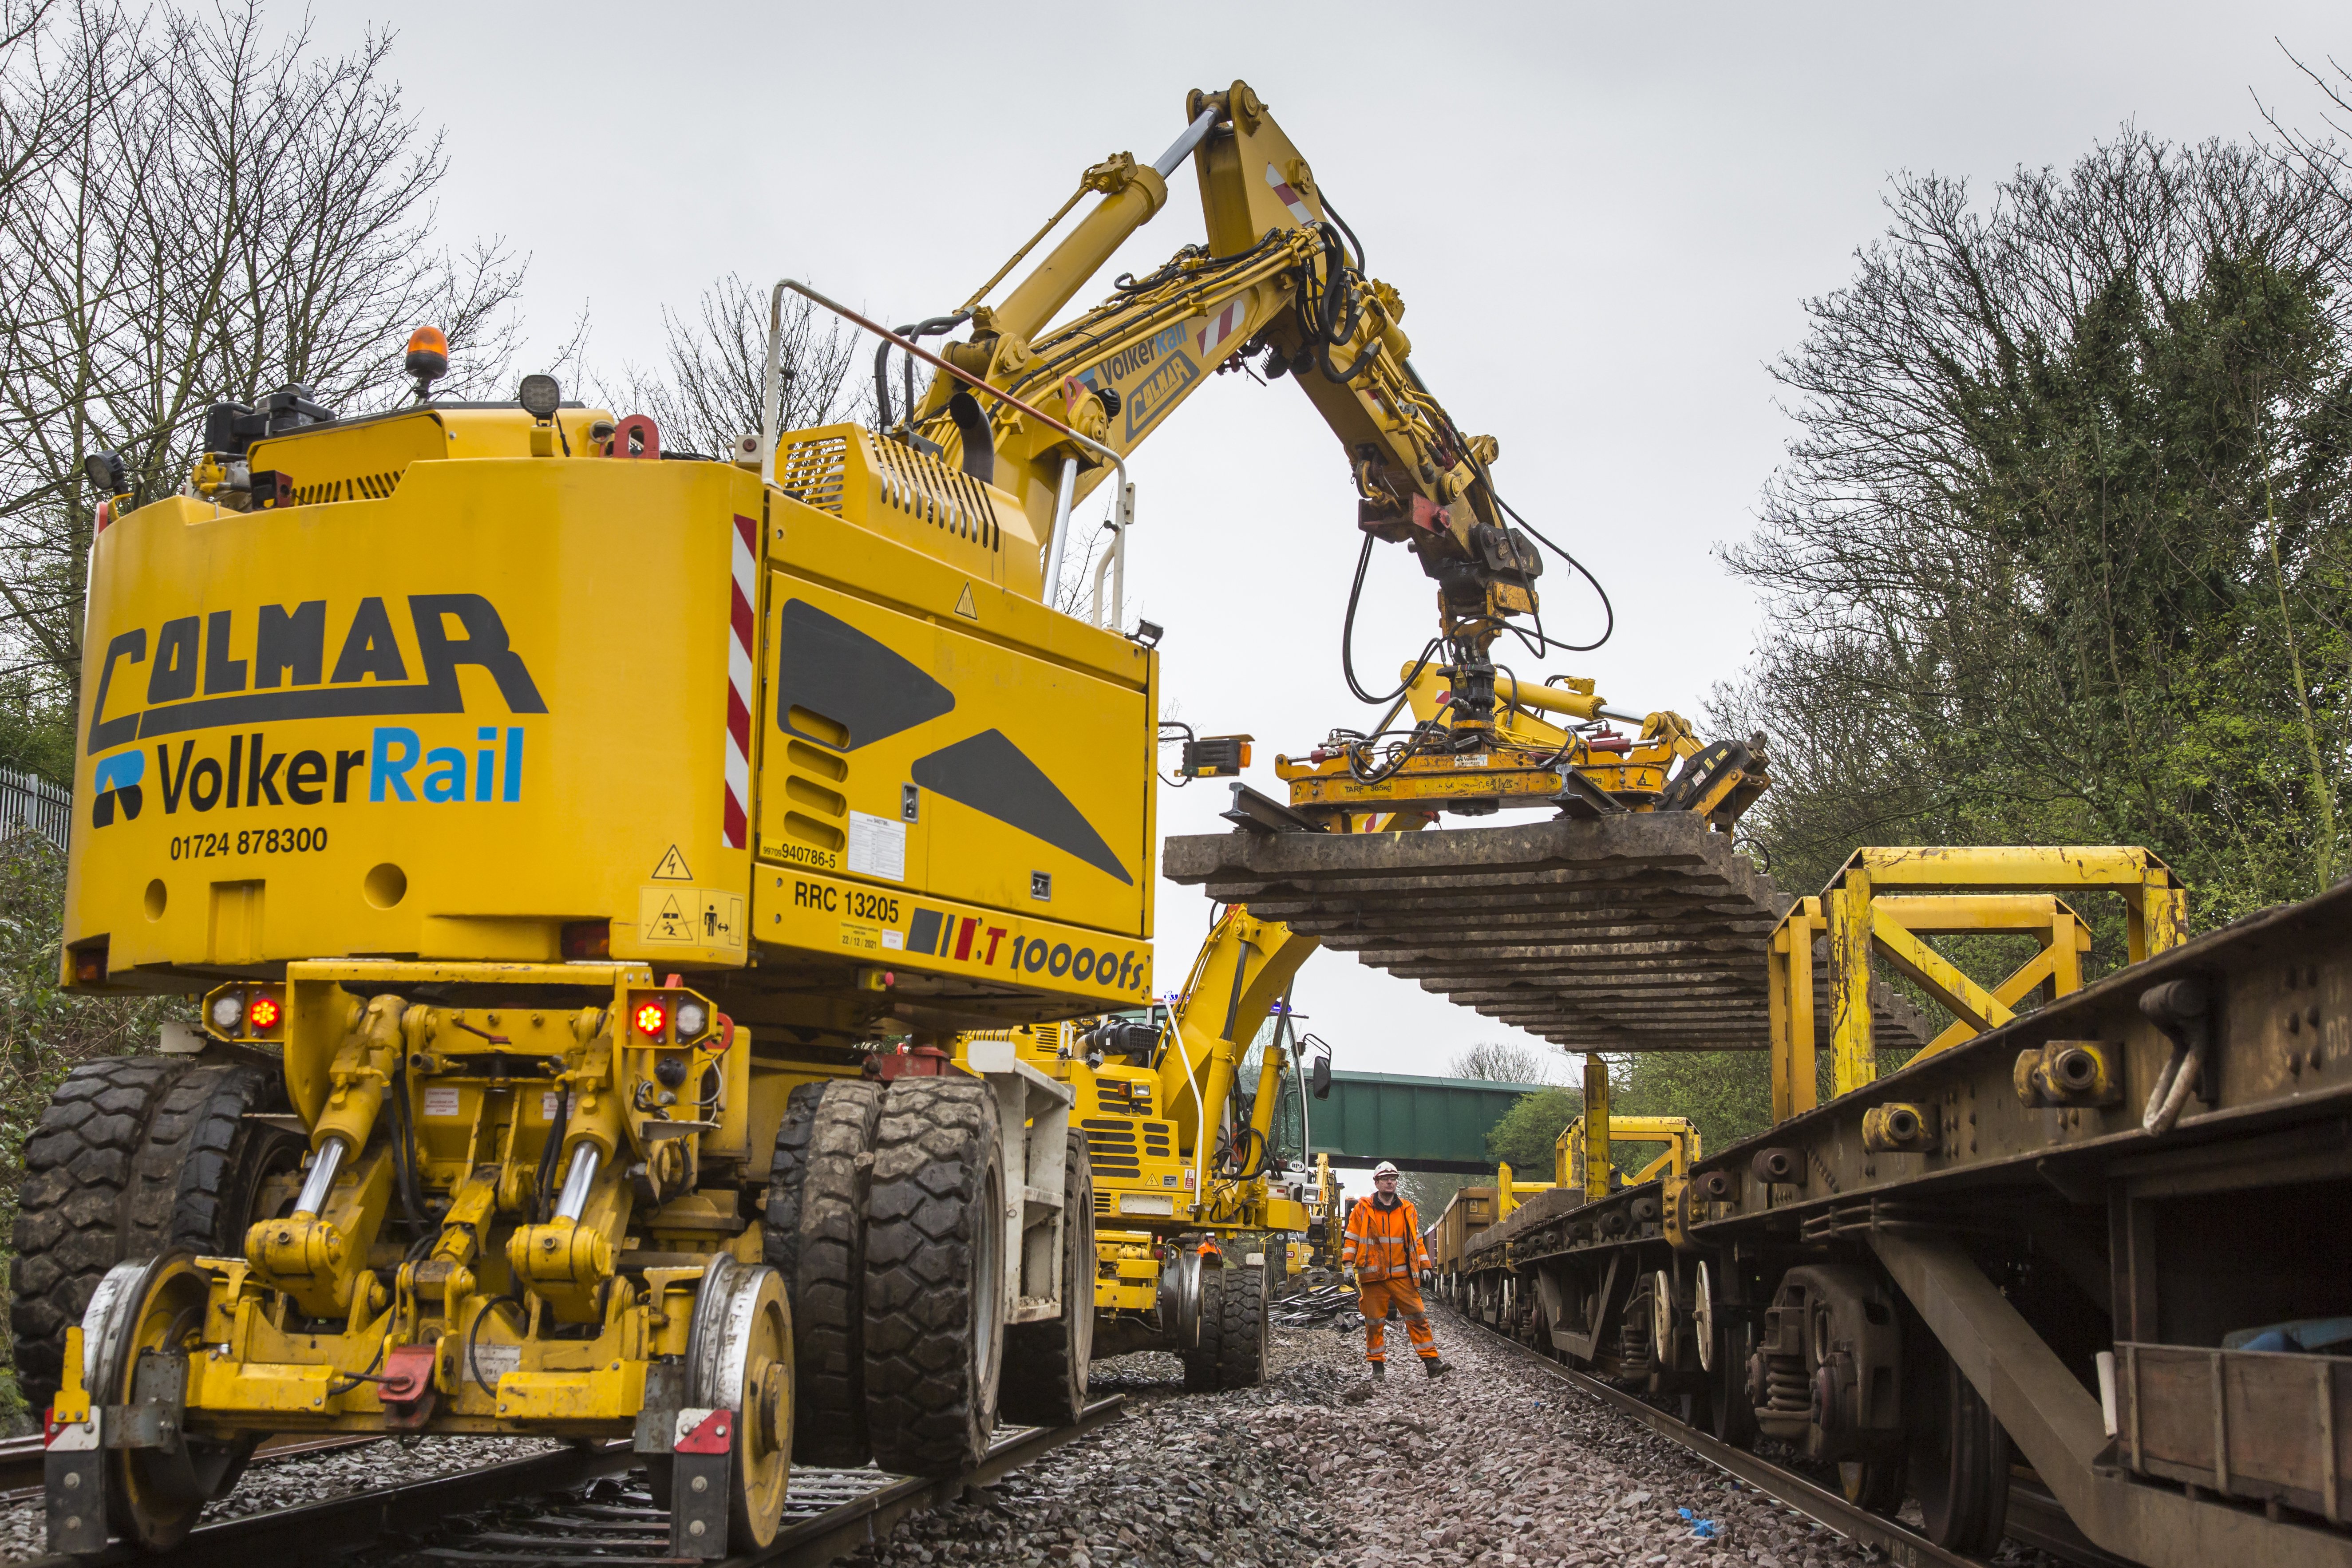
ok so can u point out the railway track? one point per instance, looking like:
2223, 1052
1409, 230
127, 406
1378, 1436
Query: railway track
2035, 1518
577, 1504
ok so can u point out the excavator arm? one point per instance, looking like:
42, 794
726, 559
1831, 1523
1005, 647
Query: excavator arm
1242, 972
1041, 411
1277, 282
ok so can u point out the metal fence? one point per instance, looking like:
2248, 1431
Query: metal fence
30, 804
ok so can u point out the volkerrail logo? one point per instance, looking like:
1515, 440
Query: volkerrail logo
272, 673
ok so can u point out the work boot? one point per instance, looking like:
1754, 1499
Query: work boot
1379, 1370
1434, 1366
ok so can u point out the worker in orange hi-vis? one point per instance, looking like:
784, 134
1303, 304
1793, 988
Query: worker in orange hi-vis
1385, 1249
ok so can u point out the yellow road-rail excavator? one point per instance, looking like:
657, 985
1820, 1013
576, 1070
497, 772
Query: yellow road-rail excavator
1196, 1119
552, 828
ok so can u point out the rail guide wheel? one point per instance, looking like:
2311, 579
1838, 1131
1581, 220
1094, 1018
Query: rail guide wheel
734, 1442
144, 1321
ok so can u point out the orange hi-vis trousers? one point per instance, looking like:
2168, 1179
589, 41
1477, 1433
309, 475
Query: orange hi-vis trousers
1377, 1295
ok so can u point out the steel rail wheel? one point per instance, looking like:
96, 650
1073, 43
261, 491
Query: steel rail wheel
740, 1359
1876, 1484
1726, 1339
154, 1307
1209, 1291
1956, 1455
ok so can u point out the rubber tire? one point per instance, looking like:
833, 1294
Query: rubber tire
1241, 1328
934, 1213
814, 1238
133, 1156
1044, 1382
1200, 1363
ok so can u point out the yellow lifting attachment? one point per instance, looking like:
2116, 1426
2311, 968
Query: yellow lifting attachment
1886, 901
1509, 1189
1678, 1133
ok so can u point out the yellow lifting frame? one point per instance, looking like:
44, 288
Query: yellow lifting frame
1678, 1133
1887, 900
1597, 1114
1508, 1191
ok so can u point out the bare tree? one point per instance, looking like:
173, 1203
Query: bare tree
214, 210
1074, 593
1501, 1061
1430, 1193
708, 394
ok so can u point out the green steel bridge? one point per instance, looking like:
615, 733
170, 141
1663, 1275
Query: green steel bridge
1434, 1124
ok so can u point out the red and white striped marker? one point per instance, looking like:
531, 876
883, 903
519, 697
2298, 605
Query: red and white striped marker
1287, 193
740, 630
1222, 325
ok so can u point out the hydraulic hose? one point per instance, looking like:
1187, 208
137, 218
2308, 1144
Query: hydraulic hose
472, 1364
1609, 610
927, 328
1347, 640
403, 1146
1352, 240
542, 1191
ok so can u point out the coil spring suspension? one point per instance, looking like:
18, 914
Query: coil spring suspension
1786, 1391
1633, 1336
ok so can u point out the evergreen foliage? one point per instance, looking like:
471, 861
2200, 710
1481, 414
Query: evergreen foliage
1525, 1134
2061, 552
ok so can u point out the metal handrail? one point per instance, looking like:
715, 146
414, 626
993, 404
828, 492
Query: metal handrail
771, 396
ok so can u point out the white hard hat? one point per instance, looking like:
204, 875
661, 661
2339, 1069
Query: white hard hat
1385, 1168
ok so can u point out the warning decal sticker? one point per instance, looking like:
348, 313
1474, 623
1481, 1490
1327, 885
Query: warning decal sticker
690, 917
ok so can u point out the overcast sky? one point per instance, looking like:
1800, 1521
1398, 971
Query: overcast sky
1604, 221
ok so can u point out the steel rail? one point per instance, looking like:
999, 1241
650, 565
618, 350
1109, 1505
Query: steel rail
867, 1520
299, 1533
22, 1459
2043, 1525
372, 1517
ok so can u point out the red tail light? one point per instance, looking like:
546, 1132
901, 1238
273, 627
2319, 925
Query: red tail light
587, 939
649, 1017
264, 1012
